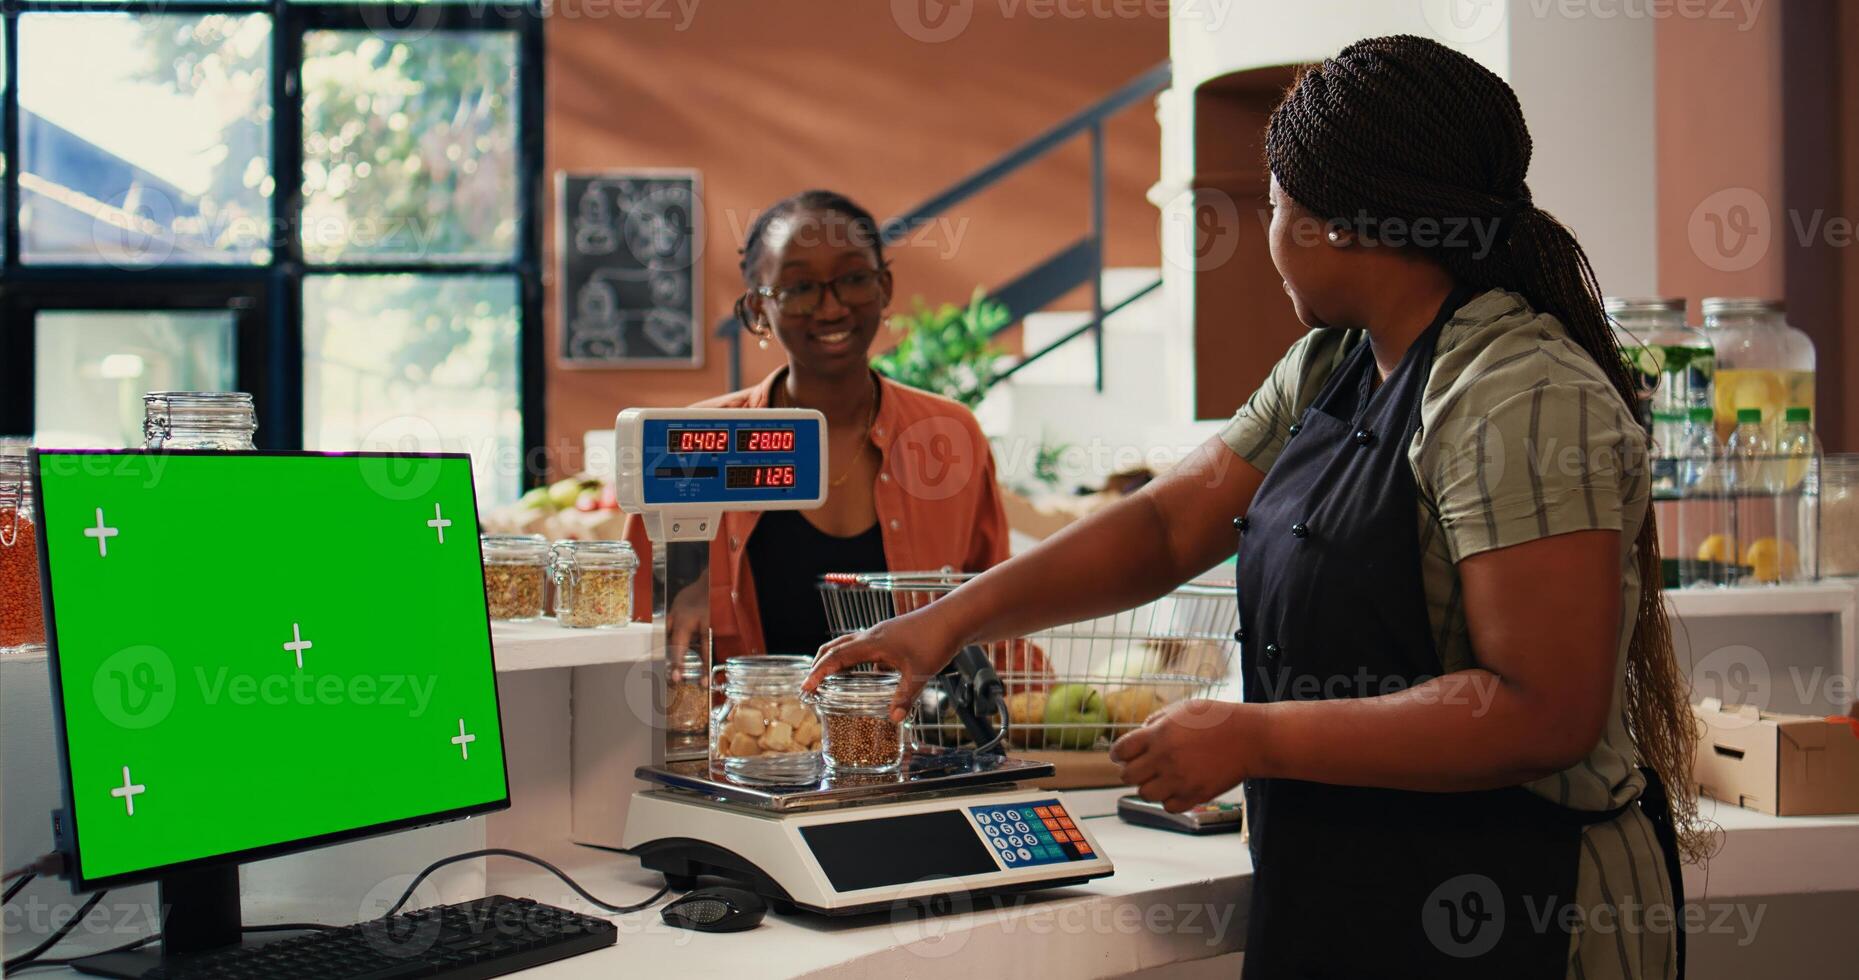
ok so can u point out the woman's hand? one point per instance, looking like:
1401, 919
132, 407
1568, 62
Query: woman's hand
1189, 752
916, 645
687, 617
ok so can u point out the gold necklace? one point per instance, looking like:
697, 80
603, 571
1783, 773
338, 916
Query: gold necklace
871, 415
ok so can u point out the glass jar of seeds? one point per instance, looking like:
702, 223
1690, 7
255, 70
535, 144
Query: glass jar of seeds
855, 715
22, 622
763, 731
515, 566
687, 696
594, 583
222, 420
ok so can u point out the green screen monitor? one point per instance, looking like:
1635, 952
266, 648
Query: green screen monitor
254, 654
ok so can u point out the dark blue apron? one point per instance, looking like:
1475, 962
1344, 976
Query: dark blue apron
1353, 881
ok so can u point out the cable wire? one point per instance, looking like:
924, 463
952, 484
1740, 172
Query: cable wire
15, 888
532, 859
57, 934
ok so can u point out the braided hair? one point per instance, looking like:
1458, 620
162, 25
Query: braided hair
1404, 128
861, 229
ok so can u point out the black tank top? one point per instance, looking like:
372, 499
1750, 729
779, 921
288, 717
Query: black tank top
787, 556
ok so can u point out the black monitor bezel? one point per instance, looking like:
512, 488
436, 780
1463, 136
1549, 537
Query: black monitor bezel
74, 866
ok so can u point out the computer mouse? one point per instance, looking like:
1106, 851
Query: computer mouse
716, 909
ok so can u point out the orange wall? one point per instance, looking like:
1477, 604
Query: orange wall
769, 98
1719, 132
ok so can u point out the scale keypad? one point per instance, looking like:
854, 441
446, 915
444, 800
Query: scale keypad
1025, 835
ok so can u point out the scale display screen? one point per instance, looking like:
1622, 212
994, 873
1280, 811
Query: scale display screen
744, 458
765, 440
681, 441
897, 850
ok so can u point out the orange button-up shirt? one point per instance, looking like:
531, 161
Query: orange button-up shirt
939, 508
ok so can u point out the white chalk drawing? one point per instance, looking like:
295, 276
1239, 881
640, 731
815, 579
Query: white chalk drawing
629, 270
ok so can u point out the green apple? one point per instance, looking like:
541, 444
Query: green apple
1080, 706
537, 499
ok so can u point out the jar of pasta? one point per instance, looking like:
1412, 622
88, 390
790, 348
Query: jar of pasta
594, 583
515, 567
763, 731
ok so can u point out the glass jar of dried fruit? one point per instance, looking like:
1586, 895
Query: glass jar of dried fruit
225, 420
763, 731
22, 622
855, 713
515, 567
594, 583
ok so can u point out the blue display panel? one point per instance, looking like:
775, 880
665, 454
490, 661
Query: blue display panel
1024, 835
750, 460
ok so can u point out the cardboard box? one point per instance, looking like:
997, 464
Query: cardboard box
1786, 765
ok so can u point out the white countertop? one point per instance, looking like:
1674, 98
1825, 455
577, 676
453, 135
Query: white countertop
1173, 899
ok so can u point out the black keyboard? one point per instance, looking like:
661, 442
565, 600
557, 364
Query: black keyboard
488, 937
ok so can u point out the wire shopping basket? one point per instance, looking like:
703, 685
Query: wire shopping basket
1076, 686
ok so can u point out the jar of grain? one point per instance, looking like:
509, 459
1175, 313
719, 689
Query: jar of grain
224, 420
22, 622
763, 731
855, 714
687, 696
515, 567
1839, 515
594, 583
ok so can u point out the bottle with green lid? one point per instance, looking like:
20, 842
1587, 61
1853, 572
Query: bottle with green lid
1706, 549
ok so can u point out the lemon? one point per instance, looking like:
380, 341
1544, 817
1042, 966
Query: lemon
1715, 548
1769, 557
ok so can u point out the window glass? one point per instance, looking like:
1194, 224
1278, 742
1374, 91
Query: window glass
416, 363
409, 146
145, 139
92, 367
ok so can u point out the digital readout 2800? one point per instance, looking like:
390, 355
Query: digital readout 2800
718, 441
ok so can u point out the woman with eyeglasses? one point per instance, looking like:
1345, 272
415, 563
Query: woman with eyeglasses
910, 479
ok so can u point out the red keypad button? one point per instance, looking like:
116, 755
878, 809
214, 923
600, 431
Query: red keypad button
1042, 812
1066, 823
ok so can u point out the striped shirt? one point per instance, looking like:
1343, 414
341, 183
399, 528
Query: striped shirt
1521, 437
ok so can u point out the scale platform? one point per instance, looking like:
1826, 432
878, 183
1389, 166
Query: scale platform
948, 825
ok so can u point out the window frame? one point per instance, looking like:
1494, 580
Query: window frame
268, 297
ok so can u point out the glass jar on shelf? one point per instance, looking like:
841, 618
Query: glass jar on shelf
223, 420
1838, 486
593, 583
763, 731
855, 714
1673, 364
515, 567
1762, 362
22, 622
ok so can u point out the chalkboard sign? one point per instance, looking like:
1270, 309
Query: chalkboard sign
628, 276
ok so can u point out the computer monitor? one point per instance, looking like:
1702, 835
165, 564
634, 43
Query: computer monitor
260, 653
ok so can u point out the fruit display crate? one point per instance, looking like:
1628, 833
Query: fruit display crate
1072, 689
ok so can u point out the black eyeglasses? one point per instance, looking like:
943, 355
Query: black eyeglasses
801, 298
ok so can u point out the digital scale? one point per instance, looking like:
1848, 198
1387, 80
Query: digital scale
949, 822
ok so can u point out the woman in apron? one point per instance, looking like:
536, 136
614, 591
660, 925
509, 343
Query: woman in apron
1460, 699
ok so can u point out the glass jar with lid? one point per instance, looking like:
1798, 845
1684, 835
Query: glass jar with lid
22, 622
1762, 362
515, 568
687, 696
1674, 364
855, 714
594, 583
224, 420
1838, 486
763, 731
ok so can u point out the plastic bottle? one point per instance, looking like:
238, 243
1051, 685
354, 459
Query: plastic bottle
1755, 481
1762, 362
1706, 539
1668, 446
1797, 504
1674, 363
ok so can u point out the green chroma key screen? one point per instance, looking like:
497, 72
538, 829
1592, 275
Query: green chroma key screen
255, 651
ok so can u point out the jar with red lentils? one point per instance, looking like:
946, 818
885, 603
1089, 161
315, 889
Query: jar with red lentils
22, 622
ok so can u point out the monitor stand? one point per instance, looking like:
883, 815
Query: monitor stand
199, 913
